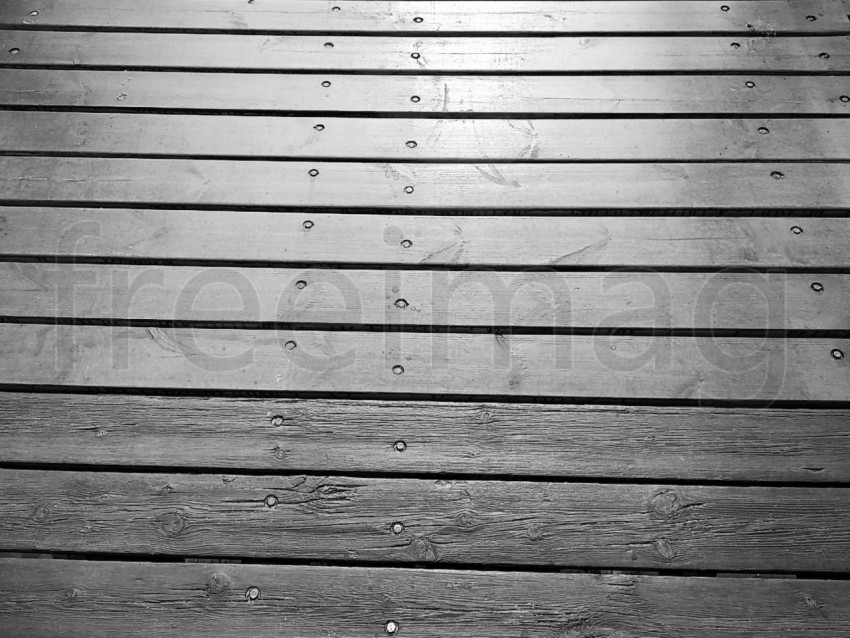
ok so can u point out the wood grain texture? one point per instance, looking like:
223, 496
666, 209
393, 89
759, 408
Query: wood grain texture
409, 139
99, 599
762, 16
556, 242
614, 367
612, 95
431, 55
337, 436
607, 300
542, 186
444, 521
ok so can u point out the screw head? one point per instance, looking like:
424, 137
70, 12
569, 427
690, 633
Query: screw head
824, 56
319, 127
277, 420
398, 370
391, 627
33, 13
845, 98
811, 18
837, 354
817, 286
750, 84
399, 446
796, 230
777, 175
724, 7
397, 528
313, 172
763, 130
408, 189
290, 345
270, 501
735, 45
308, 224
14, 50
329, 45
401, 303
326, 83
252, 593
406, 243
411, 144
414, 98
301, 284
417, 20
415, 56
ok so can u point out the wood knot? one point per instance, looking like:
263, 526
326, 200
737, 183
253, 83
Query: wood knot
423, 549
171, 524
534, 532
41, 514
218, 584
466, 520
665, 505
74, 592
166, 489
279, 453
665, 549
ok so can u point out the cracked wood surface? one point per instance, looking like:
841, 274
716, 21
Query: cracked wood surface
615, 367
418, 186
337, 436
223, 136
427, 521
93, 599
566, 300
476, 17
609, 95
431, 55
810, 243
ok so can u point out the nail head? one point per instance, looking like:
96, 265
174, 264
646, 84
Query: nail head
313, 172
252, 593
817, 286
399, 446
401, 303
290, 345
308, 224
277, 420
397, 528
270, 501
391, 628
398, 370
301, 284
837, 354
777, 175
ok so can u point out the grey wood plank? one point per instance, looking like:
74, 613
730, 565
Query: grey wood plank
410, 520
414, 186
609, 366
91, 599
490, 241
742, 16
611, 95
337, 436
592, 300
78, 50
140, 134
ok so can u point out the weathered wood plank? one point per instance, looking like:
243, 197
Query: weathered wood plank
431, 55
566, 300
337, 436
92, 599
720, 95
610, 366
297, 238
762, 16
424, 139
541, 186
410, 520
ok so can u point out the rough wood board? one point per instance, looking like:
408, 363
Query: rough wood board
763, 16
446, 521
618, 242
93, 599
606, 300
338, 436
613, 95
542, 186
615, 367
431, 55
424, 139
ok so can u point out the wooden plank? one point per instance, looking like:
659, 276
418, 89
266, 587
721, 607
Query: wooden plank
613, 95
91, 599
491, 241
294, 16
337, 435
465, 522
542, 186
602, 366
820, 54
227, 136
595, 301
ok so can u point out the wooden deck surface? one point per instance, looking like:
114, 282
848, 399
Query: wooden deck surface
362, 318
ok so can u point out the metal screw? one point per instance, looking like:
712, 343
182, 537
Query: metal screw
824, 56
845, 98
391, 628
270, 500
735, 45
290, 345
406, 243
277, 420
398, 370
837, 354
335, 9
777, 175
329, 45
415, 98
399, 446
319, 127
326, 83
33, 13
796, 230
14, 51
401, 303
301, 285
764, 130
411, 144
308, 224
408, 189
724, 7
417, 20
415, 56
252, 593
397, 528
750, 85
811, 18
817, 286
314, 172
